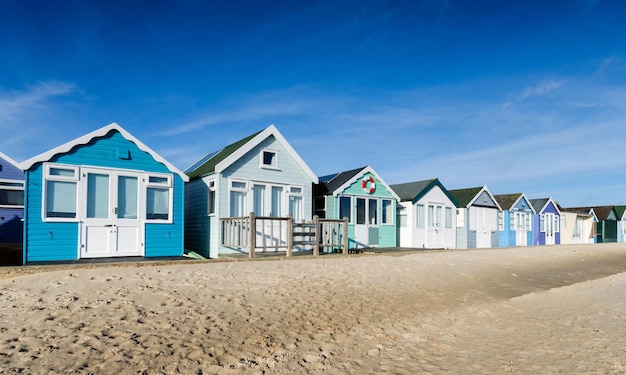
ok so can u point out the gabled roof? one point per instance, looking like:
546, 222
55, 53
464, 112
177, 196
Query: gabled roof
508, 201
601, 212
413, 191
620, 210
338, 182
541, 203
67, 147
219, 160
332, 182
9, 160
466, 197
577, 212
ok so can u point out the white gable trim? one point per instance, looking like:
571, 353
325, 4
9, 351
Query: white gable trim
523, 196
270, 130
484, 189
359, 175
556, 207
100, 133
11, 161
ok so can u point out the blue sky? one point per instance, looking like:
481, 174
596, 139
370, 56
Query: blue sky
521, 96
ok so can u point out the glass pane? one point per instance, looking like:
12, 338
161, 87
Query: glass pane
419, 220
158, 180
360, 211
127, 193
431, 214
237, 203
345, 208
438, 217
62, 172
238, 185
373, 211
269, 158
259, 199
295, 207
97, 196
60, 199
448, 217
11, 197
387, 214
12, 184
277, 201
158, 204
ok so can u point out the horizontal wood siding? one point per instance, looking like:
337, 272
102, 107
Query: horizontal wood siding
47, 241
484, 200
197, 223
506, 237
11, 225
9, 171
166, 239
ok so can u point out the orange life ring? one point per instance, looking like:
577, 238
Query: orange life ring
372, 185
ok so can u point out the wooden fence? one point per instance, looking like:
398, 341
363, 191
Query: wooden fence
283, 233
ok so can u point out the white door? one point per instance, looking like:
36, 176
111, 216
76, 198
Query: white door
435, 226
112, 223
269, 201
521, 230
550, 226
483, 227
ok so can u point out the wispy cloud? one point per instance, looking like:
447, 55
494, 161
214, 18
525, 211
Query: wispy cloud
17, 103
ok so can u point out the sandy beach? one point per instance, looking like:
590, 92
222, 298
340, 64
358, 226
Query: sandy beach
535, 310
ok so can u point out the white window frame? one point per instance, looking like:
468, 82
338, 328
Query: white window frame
296, 193
243, 189
13, 188
46, 176
390, 217
168, 184
448, 217
274, 164
419, 208
211, 201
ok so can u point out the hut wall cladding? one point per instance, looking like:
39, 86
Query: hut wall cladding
48, 241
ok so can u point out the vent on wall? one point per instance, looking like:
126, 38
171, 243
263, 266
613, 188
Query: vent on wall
123, 153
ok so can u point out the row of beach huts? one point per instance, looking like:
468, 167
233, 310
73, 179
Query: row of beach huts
106, 194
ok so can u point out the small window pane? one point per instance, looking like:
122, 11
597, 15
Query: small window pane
295, 207
419, 216
238, 185
448, 217
269, 158
12, 184
296, 190
373, 212
127, 197
158, 180
97, 196
62, 172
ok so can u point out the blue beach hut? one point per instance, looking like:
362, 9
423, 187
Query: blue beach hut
104, 194
11, 201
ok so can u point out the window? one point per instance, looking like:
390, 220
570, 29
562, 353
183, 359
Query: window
419, 216
387, 211
211, 202
11, 194
159, 198
500, 220
238, 198
373, 211
431, 216
60, 197
295, 203
577, 224
360, 211
345, 206
448, 217
269, 158
542, 223
438, 215
402, 219
529, 221
512, 217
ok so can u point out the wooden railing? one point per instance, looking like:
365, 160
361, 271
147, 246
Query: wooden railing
263, 232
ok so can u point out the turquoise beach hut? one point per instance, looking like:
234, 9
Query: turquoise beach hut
102, 195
